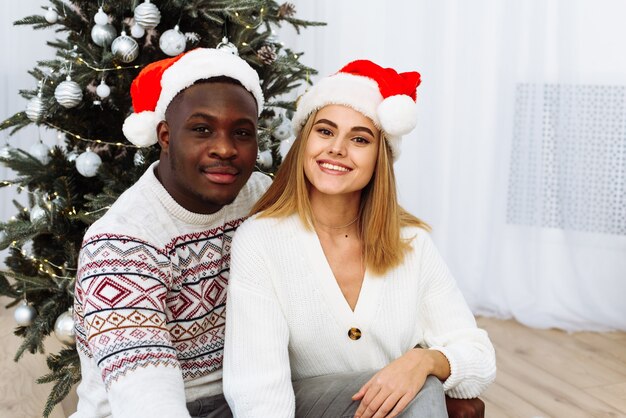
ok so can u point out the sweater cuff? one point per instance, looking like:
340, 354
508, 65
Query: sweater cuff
457, 371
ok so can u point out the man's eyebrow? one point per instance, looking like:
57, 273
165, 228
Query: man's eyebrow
353, 129
210, 117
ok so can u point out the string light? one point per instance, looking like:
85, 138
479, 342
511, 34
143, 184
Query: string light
117, 67
91, 140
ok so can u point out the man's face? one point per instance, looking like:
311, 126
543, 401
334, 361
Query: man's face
208, 145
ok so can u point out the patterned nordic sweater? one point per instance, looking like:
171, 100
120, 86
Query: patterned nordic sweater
287, 318
150, 302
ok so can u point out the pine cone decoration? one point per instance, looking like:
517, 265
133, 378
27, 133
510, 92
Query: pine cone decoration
286, 10
267, 54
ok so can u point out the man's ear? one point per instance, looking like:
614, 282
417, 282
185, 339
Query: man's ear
163, 135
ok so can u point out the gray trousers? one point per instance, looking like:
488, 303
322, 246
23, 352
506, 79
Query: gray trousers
330, 396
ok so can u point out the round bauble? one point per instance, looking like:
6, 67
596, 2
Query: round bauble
51, 15
41, 152
136, 31
282, 131
88, 163
37, 213
103, 91
227, 46
264, 159
125, 48
35, 108
103, 35
68, 93
101, 18
64, 328
24, 314
172, 42
71, 156
147, 15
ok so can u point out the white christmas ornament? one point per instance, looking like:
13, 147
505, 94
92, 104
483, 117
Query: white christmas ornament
24, 314
136, 31
51, 15
103, 91
41, 152
125, 48
147, 15
103, 35
64, 328
172, 42
68, 93
283, 131
227, 46
88, 163
71, 156
37, 213
35, 108
101, 18
264, 159
284, 147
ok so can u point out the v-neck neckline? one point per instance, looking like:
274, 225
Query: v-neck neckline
369, 295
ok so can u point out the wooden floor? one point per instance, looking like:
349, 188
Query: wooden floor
541, 373
550, 373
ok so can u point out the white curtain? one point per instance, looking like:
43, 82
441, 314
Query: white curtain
519, 160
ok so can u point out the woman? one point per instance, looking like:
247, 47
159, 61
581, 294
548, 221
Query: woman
332, 279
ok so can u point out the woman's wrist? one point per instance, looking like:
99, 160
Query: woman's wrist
432, 362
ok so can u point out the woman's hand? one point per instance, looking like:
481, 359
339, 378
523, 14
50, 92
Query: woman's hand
390, 390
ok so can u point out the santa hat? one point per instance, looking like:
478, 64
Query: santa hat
159, 82
382, 94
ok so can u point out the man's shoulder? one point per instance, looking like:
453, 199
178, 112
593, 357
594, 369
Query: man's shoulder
256, 185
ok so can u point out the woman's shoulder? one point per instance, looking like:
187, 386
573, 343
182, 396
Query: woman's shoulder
414, 233
266, 227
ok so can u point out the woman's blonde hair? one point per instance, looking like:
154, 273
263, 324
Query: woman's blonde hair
381, 217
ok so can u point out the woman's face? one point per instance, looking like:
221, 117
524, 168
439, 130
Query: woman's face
341, 151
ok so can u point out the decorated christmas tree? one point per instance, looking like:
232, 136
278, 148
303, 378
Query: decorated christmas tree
82, 94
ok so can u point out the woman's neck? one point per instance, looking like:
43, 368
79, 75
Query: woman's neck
335, 214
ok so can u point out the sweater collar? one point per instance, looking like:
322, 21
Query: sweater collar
176, 210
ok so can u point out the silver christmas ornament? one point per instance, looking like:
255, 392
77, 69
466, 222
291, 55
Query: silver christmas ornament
226, 45
88, 163
172, 42
41, 152
37, 213
64, 328
103, 91
125, 48
35, 108
103, 35
282, 131
51, 15
68, 93
139, 159
136, 31
147, 15
101, 18
264, 159
24, 314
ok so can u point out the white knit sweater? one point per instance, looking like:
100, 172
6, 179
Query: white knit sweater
150, 302
287, 318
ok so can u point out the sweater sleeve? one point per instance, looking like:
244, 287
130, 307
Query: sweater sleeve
450, 327
257, 376
121, 323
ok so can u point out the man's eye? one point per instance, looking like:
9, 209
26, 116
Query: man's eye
202, 129
245, 133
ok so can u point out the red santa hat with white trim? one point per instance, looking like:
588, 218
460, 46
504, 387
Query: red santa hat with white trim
382, 94
159, 82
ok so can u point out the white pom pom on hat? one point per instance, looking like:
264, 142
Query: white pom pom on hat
382, 94
159, 82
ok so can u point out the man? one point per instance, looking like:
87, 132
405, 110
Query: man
152, 274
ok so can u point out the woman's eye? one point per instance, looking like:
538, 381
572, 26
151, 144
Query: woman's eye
361, 140
325, 132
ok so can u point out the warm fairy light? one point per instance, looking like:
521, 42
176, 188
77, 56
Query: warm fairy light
97, 141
